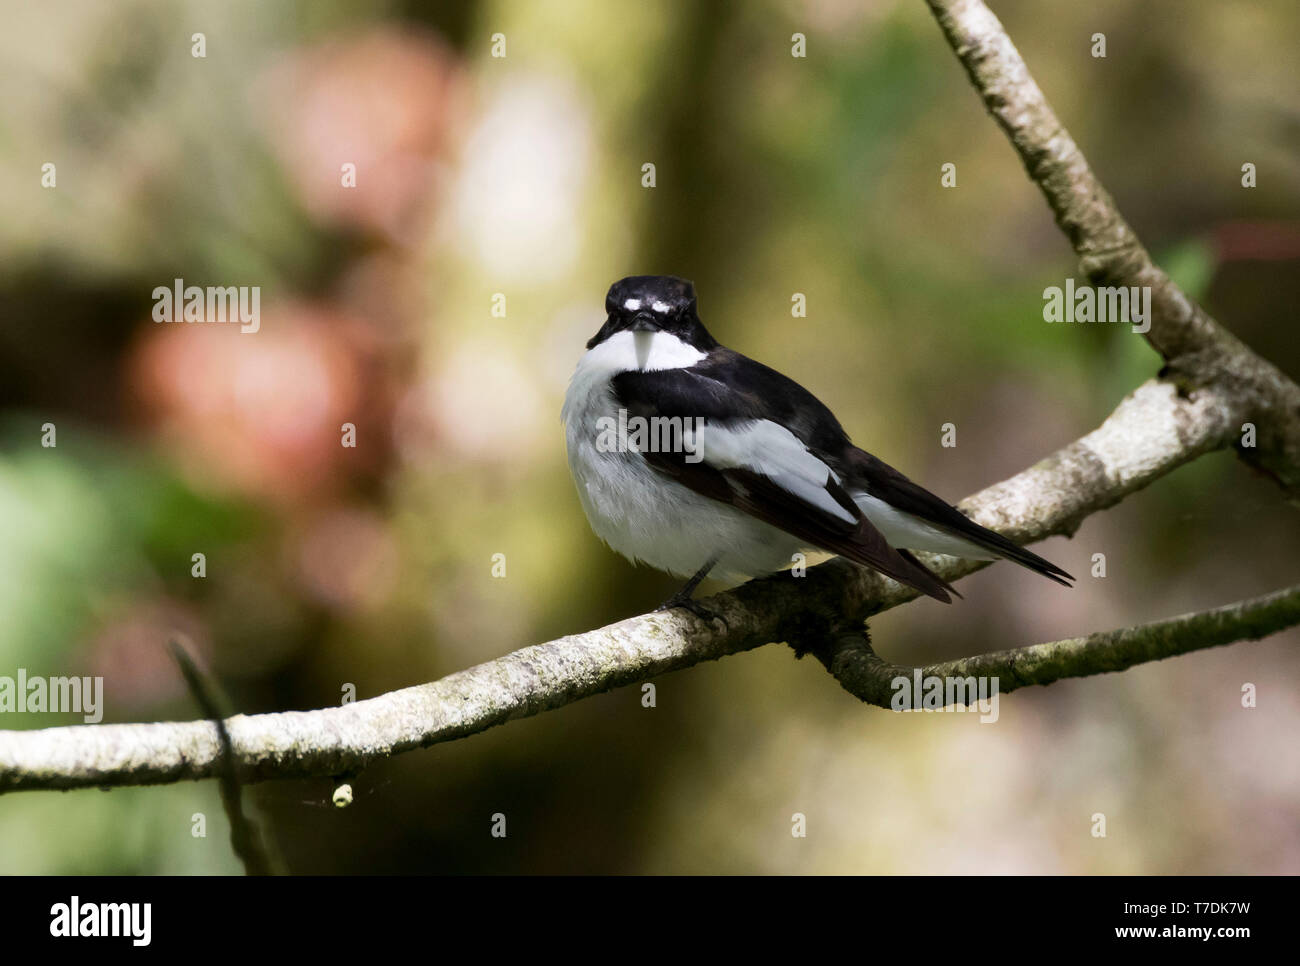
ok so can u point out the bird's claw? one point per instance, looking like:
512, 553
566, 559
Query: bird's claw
695, 607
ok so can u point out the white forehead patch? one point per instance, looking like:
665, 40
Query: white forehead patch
632, 304
659, 307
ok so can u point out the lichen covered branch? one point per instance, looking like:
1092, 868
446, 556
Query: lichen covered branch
850, 658
1197, 350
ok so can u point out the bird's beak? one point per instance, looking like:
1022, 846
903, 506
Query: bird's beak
643, 330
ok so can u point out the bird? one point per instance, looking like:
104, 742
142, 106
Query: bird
697, 460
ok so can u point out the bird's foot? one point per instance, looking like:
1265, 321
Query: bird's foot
694, 606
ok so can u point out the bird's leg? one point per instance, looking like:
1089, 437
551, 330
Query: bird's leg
683, 597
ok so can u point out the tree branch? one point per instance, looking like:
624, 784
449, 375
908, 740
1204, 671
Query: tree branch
1198, 351
849, 657
1152, 431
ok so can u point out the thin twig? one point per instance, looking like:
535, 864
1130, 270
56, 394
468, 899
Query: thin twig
245, 837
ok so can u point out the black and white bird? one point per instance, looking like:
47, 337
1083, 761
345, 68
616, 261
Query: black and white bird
768, 473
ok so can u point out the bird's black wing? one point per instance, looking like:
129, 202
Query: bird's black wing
751, 460
783, 399
776, 396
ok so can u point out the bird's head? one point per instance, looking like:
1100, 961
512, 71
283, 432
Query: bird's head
653, 303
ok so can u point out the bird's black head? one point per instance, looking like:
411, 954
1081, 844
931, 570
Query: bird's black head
653, 303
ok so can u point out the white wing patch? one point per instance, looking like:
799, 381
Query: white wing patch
772, 450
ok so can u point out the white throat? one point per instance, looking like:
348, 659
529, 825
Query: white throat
644, 351
590, 394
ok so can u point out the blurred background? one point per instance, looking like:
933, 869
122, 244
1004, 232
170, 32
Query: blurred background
521, 176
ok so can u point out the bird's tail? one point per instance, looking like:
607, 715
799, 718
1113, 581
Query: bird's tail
996, 543
910, 511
